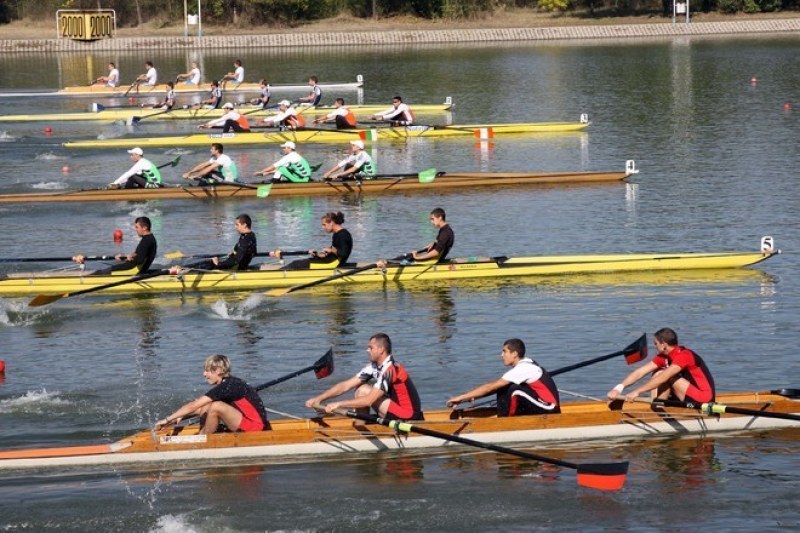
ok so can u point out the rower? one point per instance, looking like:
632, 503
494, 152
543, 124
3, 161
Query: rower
677, 372
214, 98
392, 394
342, 116
526, 389
445, 239
149, 78
287, 118
237, 76
192, 77
142, 175
231, 402
244, 251
231, 120
112, 80
264, 95
291, 167
358, 165
399, 114
169, 98
220, 168
332, 256
140, 260
315, 95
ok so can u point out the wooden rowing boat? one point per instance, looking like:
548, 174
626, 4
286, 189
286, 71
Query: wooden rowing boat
207, 114
322, 135
274, 277
101, 91
312, 438
386, 184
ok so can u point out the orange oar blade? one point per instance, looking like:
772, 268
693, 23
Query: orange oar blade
639, 353
45, 299
324, 366
603, 476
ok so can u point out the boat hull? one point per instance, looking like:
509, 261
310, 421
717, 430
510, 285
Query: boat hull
320, 135
307, 439
456, 269
388, 184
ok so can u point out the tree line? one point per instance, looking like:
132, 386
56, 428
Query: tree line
288, 13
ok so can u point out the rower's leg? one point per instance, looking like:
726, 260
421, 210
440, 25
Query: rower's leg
221, 412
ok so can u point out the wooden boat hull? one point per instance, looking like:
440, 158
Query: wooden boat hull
27, 284
101, 91
208, 114
320, 135
388, 184
317, 437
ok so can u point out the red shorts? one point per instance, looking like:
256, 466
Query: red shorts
397, 412
251, 425
697, 395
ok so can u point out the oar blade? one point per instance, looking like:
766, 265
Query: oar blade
132, 121
603, 476
789, 393
278, 292
428, 175
324, 367
46, 299
175, 161
637, 351
176, 255
263, 190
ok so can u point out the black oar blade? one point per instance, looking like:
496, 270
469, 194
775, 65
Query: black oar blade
637, 351
603, 476
45, 299
324, 367
789, 393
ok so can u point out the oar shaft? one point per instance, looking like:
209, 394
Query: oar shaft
582, 364
713, 408
285, 378
53, 259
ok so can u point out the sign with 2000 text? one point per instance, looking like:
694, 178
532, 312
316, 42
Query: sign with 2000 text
86, 25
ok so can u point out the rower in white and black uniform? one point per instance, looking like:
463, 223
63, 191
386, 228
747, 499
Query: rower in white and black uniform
264, 95
214, 98
315, 95
332, 256
169, 98
399, 114
526, 389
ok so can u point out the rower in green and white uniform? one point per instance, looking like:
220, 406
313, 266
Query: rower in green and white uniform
220, 168
291, 167
143, 174
358, 165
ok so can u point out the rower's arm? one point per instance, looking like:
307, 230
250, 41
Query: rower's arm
186, 410
337, 390
656, 381
432, 253
632, 378
478, 392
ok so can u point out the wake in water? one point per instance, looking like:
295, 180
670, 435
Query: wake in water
16, 313
238, 311
178, 151
6, 137
38, 402
145, 211
173, 524
50, 156
50, 185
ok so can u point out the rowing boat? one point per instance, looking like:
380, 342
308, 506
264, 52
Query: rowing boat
206, 114
101, 91
323, 135
272, 276
386, 184
313, 438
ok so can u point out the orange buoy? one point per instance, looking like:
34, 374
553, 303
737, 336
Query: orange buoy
65, 169
753, 80
117, 235
2, 367
787, 106
48, 129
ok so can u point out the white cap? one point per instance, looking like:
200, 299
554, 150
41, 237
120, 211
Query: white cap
287, 103
137, 151
359, 144
227, 105
289, 144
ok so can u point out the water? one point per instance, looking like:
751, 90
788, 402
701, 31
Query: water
717, 157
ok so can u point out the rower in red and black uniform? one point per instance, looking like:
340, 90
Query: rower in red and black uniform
244, 251
526, 389
445, 239
392, 393
342, 116
399, 114
331, 256
140, 260
677, 373
231, 402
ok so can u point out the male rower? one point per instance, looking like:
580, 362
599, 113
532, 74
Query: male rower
138, 261
445, 239
214, 98
331, 256
287, 118
358, 165
231, 402
342, 116
237, 76
220, 168
149, 78
526, 389
676, 371
399, 114
169, 98
291, 167
244, 251
231, 120
263, 95
192, 77
315, 95
392, 394
142, 175
112, 80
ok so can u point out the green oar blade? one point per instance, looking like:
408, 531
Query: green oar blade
263, 190
427, 176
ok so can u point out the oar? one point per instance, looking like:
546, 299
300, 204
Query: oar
346, 273
132, 121
173, 163
634, 353
135, 83
54, 259
601, 476
322, 368
181, 255
714, 408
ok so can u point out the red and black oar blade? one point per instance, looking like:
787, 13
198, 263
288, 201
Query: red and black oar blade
603, 476
324, 367
637, 351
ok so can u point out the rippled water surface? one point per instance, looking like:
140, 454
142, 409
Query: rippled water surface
718, 157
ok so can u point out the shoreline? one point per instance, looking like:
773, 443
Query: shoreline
410, 37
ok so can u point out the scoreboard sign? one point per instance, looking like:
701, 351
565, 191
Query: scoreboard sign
86, 25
